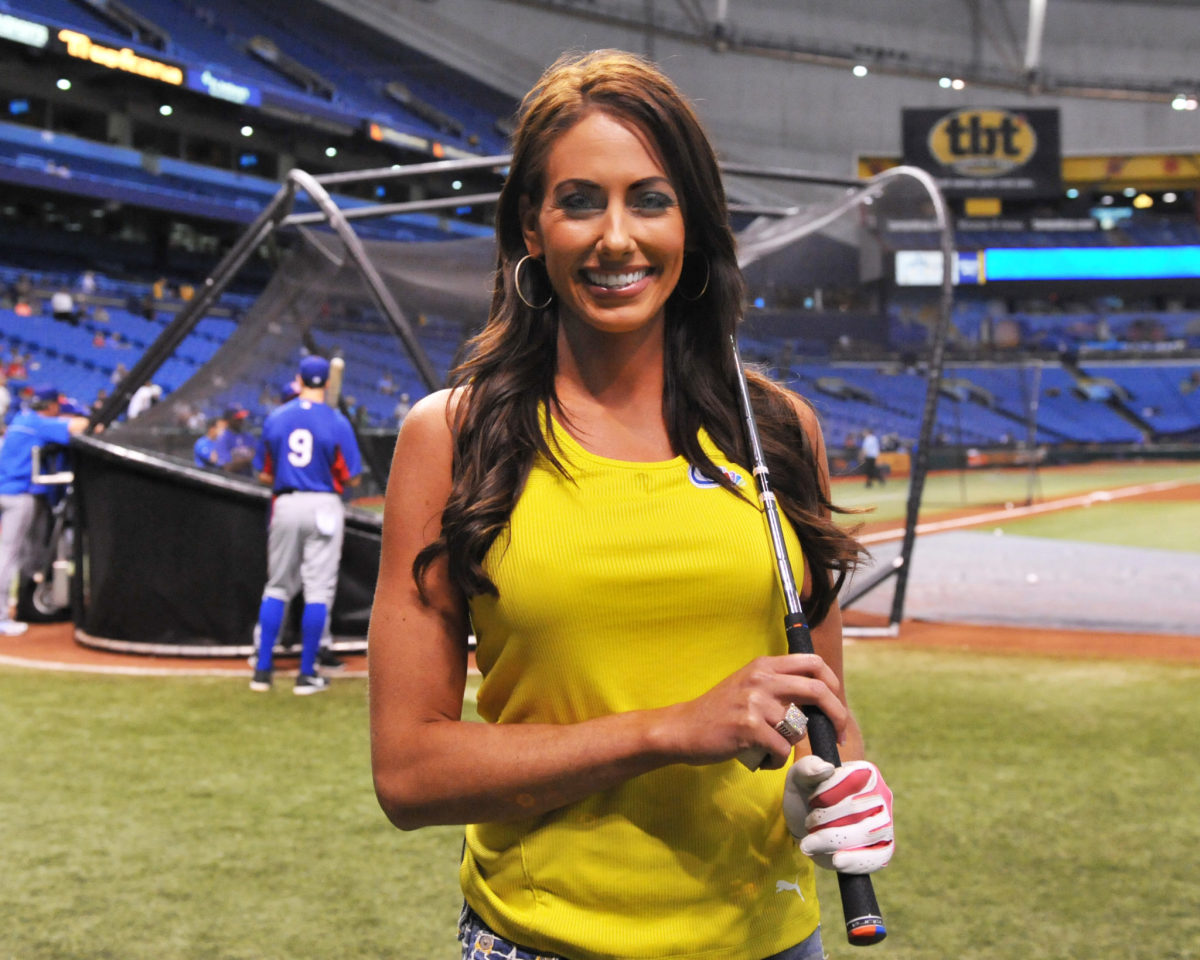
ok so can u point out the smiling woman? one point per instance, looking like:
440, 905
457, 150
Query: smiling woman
610, 232
580, 499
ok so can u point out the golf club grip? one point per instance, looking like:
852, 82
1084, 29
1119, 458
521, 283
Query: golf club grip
864, 923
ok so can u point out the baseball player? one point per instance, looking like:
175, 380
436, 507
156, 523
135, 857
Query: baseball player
205, 452
309, 455
326, 657
235, 446
19, 495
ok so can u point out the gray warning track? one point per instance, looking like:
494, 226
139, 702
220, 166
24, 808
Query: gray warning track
977, 577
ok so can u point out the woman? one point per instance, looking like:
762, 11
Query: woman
580, 499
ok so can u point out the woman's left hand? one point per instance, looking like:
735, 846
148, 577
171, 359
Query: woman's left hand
842, 816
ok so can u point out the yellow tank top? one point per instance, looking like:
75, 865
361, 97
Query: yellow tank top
635, 586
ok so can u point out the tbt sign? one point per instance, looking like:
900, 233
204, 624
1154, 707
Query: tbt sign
989, 152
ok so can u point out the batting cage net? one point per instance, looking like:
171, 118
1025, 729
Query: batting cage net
827, 291
319, 303
172, 549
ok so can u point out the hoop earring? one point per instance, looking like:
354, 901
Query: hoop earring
703, 289
517, 284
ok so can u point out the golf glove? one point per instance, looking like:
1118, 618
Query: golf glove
842, 816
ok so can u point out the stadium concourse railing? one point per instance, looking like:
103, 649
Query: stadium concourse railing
190, 619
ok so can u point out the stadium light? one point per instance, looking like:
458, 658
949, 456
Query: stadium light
860, 70
166, 110
331, 152
1143, 201
945, 82
1072, 193
456, 185
1169, 197
247, 131
64, 84
958, 84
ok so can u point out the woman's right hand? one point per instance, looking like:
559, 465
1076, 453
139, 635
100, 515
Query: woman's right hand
739, 714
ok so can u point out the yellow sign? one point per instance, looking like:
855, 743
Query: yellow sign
80, 45
982, 143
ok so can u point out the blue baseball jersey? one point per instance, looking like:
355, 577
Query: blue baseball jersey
230, 443
28, 430
308, 446
205, 452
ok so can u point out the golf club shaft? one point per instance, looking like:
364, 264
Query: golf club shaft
864, 924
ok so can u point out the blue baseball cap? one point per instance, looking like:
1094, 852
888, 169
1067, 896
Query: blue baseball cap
45, 393
314, 371
288, 391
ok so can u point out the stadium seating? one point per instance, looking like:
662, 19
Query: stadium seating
64, 13
81, 359
1142, 230
215, 35
81, 166
983, 404
1159, 393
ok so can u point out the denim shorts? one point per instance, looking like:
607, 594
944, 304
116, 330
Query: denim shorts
480, 943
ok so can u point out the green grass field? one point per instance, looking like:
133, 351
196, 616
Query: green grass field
1044, 811
1161, 525
1044, 807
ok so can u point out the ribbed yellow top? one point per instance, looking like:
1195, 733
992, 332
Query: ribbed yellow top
635, 586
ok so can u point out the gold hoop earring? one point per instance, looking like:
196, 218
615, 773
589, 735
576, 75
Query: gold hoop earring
703, 289
517, 284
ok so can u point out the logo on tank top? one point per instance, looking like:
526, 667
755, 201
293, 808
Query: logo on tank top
700, 480
783, 886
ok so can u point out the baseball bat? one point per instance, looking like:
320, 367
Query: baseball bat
333, 389
335, 399
864, 924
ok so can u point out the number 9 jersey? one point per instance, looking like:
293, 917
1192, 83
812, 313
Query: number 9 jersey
308, 446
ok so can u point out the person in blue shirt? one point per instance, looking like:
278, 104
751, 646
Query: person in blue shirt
870, 457
205, 452
309, 455
236, 446
20, 496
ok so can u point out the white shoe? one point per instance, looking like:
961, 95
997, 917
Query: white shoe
308, 684
12, 628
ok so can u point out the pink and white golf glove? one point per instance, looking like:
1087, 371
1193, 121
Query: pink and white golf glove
842, 816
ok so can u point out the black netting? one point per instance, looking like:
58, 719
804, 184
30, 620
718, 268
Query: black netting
318, 302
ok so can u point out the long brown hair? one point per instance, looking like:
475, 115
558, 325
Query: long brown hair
508, 374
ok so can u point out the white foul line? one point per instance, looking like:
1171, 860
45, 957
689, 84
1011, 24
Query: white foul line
129, 671
1083, 500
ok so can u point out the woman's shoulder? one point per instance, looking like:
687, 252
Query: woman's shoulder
429, 426
435, 412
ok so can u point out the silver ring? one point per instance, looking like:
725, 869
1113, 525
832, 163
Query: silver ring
793, 725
